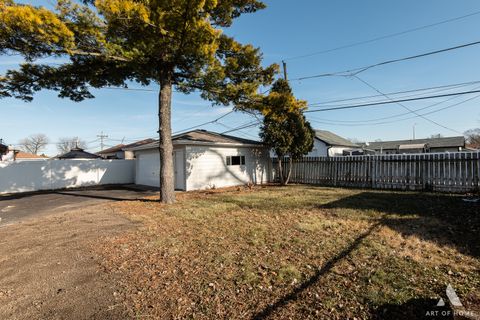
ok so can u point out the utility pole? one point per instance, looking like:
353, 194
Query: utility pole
284, 70
414, 130
102, 136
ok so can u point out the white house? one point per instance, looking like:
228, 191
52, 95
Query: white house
203, 160
328, 144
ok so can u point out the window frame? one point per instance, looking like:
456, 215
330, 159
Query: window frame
241, 160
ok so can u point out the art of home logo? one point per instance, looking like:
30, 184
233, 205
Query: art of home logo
456, 304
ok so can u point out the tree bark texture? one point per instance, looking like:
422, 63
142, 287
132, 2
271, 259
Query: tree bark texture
167, 175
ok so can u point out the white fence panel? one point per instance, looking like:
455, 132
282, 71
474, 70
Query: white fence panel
26, 176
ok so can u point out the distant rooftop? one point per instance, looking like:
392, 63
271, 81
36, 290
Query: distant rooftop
332, 139
120, 147
26, 155
447, 142
78, 153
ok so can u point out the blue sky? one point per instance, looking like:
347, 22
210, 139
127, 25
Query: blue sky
282, 31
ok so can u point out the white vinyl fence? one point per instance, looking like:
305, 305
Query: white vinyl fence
22, 176
445, 172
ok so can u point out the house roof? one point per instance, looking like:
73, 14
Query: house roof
3, 148
78, 153
202, 137
120, 147
211, 137
332, 139
26, 155
447, 142
113, 149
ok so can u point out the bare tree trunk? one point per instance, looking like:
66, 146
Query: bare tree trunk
280, 169
167, 185
290, 163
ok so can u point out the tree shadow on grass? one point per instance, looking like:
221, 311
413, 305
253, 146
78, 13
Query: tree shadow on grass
294, 294
443, 219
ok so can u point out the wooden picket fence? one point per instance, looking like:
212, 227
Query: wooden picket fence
444, 172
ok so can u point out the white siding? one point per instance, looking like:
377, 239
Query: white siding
320, 149
337, 151
206, 167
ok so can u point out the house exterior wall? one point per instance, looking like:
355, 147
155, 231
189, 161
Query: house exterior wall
338, 151
321, 149
23, 176
206, 167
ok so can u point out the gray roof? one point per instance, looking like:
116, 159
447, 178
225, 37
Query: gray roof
332, 139
201, 137
78, 153
448, 142
209, 136
120, 147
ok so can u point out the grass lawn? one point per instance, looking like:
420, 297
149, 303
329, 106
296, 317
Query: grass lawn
296, 252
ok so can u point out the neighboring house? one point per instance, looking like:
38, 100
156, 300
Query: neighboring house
25, 156
3, 150
328, 144
431, 145
10, 154
204, 160
119, 151
78, 153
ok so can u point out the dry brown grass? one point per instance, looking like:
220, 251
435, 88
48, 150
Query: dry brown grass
295, 252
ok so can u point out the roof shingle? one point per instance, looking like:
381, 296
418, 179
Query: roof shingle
332, 139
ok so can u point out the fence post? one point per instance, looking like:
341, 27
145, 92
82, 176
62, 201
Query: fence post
335, 170
476, 171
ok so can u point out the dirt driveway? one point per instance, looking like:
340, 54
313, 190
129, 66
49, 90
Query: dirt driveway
47, 266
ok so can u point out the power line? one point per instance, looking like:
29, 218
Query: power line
404, 106
329, 122
400, 114
396, 34
244, 126
441, 88
393, 101
204, 124
352, 72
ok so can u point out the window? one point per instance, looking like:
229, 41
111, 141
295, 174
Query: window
235, 160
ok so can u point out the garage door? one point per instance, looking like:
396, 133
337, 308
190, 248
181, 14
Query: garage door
148, 169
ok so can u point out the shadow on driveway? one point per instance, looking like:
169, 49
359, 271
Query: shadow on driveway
16, 207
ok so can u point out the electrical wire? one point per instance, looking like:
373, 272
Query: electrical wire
204, 124
241, 127
404, 106
392, 101
432, 89
397, 115
356, 71
391, 35
327, 122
